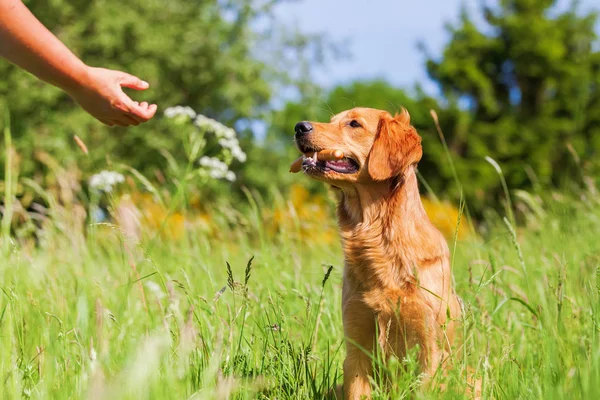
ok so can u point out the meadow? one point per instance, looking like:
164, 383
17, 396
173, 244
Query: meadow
180, 260
237, 307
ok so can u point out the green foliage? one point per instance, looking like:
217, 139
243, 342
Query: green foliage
531, 85
210, 55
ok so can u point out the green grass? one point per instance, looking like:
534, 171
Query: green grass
105, 317
91, 314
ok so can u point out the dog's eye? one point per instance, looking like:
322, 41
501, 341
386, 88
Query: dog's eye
354, 123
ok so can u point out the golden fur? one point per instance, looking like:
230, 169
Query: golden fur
397, 278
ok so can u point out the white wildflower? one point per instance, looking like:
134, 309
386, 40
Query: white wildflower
105, 180
205, 161
211, 125
238, 154
228, 143
216, 168
216, 174
229, 134
213, 163
172, 112
230, 176
234, 146
226, 137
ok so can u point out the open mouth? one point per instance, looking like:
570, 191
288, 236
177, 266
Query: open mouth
346, 165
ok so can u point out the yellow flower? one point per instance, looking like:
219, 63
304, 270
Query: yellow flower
445, 217
304, 216
154, 217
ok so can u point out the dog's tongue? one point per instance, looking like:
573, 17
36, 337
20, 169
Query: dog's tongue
323, 155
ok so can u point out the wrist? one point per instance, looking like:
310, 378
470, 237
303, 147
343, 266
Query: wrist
77, 79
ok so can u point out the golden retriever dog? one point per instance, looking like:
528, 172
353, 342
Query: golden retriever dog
397, 285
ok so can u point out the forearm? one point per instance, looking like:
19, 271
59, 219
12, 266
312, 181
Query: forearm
25, 42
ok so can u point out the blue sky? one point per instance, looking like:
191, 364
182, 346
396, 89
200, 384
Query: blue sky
383, 34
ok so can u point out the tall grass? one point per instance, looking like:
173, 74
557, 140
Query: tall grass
8, 182
114, 318
248, 312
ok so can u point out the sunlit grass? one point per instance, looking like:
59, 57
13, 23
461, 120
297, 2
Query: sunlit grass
191, 301
106, 316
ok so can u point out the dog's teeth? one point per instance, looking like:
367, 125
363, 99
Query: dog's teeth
315, 157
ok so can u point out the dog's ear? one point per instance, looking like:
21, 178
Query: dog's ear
397, 146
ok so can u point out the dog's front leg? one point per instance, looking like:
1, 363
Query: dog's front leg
359, 329
357, 369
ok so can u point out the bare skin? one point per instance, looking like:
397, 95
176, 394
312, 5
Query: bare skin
25, 42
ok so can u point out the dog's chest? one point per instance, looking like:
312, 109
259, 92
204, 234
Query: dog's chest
373, 260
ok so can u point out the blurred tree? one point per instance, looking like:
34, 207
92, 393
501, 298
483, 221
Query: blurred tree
530, 83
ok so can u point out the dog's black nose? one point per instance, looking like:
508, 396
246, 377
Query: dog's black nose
303, 128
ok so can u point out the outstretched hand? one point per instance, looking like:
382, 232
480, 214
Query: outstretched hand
27, 43
100, 93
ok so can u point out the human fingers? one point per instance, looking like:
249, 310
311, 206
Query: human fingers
152, 109
132, 82
144, 110
130, 120
135, 109
135, 117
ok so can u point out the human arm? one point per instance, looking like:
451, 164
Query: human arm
25, 42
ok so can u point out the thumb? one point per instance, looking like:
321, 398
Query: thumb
133, 82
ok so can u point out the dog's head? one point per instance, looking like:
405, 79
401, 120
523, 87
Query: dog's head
377, 147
